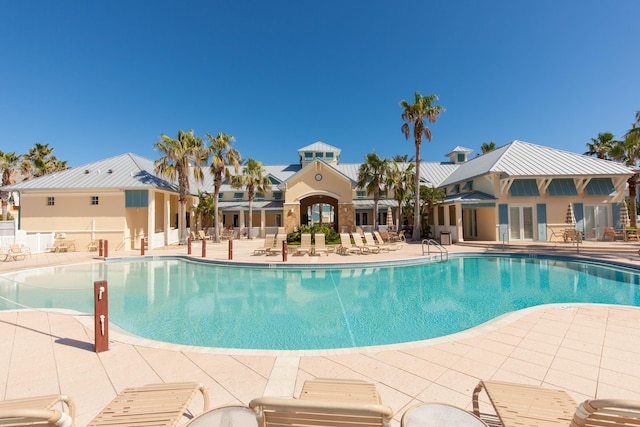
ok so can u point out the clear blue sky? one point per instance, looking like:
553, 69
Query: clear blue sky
96, 79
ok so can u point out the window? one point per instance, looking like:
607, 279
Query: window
361, 194
220, 196
51, 201
456, 189
259, 196
277, 195
136, 199
238, 196
319, 155
461, 158
308, 155
328, 156
468, 186
94, 200
440, 215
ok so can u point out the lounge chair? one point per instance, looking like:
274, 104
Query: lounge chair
269, 240
371, 243
526, 405
203, 236
334, 389
385, 245
364, 249
305, 244
38, 411
151, 405
277, 247
283, 412
607, 412
320, 245
346, 247
18, 250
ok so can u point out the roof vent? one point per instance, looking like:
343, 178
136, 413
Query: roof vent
86, 171
110, 171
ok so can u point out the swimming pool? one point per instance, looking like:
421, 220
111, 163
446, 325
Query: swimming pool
202, 304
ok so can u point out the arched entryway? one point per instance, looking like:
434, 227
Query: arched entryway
319, 209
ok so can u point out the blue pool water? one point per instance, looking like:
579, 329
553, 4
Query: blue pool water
201, 304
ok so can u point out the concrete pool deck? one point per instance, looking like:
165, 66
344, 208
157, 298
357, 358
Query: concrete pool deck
587, 350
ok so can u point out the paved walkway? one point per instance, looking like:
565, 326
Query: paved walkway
588, 350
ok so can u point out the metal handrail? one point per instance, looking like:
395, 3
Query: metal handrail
429, 242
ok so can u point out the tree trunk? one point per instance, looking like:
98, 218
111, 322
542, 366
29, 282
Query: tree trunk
215, 216
416, 207
633, 211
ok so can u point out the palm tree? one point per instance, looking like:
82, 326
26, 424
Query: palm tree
254, 178
487, 146
601, 146
40, 161
178, 156
222, 155
399, 179
628, 152
9, 165
371, 177
204, 209
415, 114
430, 196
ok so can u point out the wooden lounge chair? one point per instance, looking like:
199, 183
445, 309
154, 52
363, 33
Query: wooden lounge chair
305, 244
38, 411
320, 245
284, 412
151, 405
346, 247
269, 240
8, 256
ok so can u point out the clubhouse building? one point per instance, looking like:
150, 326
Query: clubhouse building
519, 191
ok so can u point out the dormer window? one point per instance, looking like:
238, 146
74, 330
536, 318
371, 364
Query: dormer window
308, 155
456, 189
238, 196
462, 157
468, 186
319, 155
328, 156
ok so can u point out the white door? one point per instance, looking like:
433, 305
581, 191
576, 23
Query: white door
521, 222
596, 218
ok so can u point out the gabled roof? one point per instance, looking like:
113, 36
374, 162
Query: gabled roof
126, 171
519, 158
319, 146
338, 170
459, 149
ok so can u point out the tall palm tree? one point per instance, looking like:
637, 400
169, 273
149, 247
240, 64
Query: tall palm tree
40, 161
601, 146
400, 176
628, 152
254, 178
178, 155
415, 114
222, 155
487, 146
9, 166
371, 177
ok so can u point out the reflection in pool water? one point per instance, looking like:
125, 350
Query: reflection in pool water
202, 304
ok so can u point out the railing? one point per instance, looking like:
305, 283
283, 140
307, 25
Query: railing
442, 250
505, 239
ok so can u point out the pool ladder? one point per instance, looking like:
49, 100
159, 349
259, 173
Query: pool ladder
430, 242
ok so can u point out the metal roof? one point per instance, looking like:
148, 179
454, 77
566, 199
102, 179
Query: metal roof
244, 204
126, 171
321, 147
473, 196
524, 159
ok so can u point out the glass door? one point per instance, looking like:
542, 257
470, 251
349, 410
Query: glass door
596, 218
521, 222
